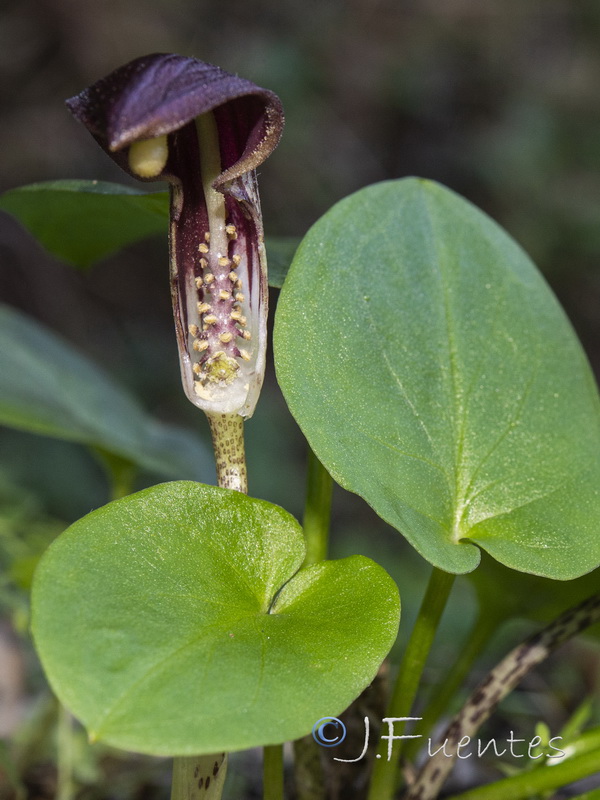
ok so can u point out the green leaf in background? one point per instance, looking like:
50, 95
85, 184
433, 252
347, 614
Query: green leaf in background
530, 596
280, 253
83, 221
175, 622
434, 373
47, 387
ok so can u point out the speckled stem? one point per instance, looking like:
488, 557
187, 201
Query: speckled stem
199, 778
478, 637
202, 777
498, 683
228, 443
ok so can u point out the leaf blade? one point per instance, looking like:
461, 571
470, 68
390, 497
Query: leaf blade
48, 388
456, 377
81, 221
176, 648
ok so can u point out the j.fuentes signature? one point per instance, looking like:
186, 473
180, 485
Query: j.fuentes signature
331, 731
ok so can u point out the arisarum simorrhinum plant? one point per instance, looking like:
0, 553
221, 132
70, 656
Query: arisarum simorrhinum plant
203, 624
229, 656
168, 117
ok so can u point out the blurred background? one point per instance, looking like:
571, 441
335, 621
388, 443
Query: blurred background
497, 100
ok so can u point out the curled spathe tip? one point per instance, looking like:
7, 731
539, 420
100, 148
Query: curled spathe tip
160, 93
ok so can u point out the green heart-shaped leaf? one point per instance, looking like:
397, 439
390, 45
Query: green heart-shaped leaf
175, 622
434, 373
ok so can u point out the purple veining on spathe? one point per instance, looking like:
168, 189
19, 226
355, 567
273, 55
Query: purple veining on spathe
219, 299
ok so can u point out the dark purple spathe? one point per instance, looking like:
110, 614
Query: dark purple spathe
219, 292
161, 93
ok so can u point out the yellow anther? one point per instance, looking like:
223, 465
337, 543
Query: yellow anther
200, 345
209, 277
236, 316
203, 248
236, 259
245, 355
203, 308
148, 157
246, 335
224, 261
243, 321
224, 294
210, 319
238, 284
233, 277
198, 282
207, 236
239, 297
230, 230
225, 337
196, 369
203, 263
193, 329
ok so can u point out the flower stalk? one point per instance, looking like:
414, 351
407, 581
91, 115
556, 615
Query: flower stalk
227, 432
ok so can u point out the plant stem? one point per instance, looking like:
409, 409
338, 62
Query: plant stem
383, 781
65, 788
479, 636
529, 784
195, 778
273, 772
308, 770
309, 776
498, 683
34, 734
594, 794
228, 443
10, 774
121, 472
199, 777
584, 743
317, 510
